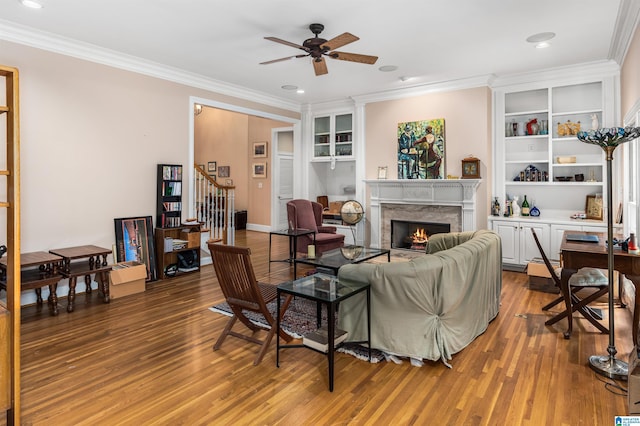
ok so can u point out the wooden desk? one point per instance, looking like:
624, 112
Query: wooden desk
576, 255
96, 264
38, 269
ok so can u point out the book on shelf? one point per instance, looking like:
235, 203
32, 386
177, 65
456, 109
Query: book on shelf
172, 172
319, 339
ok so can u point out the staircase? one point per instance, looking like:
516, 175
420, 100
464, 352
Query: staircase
214, 208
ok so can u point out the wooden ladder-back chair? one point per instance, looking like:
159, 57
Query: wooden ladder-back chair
585, 278
244, 293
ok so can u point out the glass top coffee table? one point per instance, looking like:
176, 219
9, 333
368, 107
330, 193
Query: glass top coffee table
325, 290
333, 260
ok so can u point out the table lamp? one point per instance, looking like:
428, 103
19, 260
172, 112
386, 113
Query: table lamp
608, 139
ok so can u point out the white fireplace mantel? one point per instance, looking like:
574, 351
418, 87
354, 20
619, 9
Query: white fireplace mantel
427, 192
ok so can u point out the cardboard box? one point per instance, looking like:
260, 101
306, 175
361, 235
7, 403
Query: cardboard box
537, 268
127, 278
540, 278
192, 237
633, 383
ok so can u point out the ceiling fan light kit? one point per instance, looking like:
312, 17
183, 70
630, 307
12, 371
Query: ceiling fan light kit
317, 48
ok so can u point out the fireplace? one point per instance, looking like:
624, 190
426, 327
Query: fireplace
451, 201
410, 235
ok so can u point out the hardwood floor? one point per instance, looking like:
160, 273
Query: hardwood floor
148, 359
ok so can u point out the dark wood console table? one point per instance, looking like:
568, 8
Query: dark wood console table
576, 255
38, 269
95, 263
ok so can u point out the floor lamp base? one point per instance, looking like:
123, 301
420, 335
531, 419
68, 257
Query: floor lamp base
609, 366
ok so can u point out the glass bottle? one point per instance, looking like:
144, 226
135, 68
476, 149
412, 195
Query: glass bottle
525, 207
496, 207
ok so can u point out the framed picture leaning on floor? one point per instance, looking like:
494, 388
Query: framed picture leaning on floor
134, 242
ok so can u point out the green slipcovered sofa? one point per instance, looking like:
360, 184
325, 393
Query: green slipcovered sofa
432, 306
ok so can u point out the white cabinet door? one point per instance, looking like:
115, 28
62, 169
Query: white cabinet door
528, 247
510, 235
556, 239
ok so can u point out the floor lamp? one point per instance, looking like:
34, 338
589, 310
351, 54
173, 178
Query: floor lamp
608, 139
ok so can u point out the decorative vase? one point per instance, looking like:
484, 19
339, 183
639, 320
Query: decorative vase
515, 207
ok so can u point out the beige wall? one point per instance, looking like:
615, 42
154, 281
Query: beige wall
630, 75
227, 138
91, 137
221, 136
467, 115
259, 189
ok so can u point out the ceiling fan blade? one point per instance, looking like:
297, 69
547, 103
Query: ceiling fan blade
354, 57
339, 41
320, 66
285, 42
279, 60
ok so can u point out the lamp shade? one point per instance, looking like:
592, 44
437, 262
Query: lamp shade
609, 136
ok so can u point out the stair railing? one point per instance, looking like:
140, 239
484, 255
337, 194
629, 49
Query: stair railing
214, 207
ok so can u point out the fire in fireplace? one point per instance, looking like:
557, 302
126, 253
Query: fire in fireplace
410, 235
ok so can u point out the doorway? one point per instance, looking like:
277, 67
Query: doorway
282, 183
269, 216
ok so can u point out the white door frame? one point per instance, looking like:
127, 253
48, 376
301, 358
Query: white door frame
193, 100
275, 179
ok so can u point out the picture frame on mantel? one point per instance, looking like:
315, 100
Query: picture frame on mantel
382, 172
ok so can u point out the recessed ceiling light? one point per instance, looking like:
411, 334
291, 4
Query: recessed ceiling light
289, 87
405, 78
540, 37
31, 4
388, 68
300, 91
542, 45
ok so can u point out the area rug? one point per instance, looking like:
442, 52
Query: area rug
300, 319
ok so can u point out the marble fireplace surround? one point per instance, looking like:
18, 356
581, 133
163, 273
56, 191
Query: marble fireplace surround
450, 201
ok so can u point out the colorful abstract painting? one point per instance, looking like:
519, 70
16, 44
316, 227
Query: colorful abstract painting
421, 149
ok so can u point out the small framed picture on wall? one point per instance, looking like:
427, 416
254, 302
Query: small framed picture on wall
224, 171
211, 166
260, 170
259, 149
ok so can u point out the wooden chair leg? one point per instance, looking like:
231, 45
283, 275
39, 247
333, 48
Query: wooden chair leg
265, 346
225, 332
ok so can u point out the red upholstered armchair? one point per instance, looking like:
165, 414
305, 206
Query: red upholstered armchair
307, 214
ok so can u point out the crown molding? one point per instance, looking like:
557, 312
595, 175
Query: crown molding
587, 70
21, 34
626, 23
423, 89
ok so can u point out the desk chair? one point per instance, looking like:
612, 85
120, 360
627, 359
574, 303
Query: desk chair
244, 293
585, 278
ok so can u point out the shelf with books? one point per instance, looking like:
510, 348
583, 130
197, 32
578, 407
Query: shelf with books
169, 196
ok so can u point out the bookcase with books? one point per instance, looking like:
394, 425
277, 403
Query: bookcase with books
169, 196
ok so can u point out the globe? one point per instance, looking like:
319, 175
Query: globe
351, 212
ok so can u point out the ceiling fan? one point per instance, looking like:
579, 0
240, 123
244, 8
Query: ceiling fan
317, 48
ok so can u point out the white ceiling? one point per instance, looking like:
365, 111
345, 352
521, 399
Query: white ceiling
428, 40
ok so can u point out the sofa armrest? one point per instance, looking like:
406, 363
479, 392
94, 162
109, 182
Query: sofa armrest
327, 229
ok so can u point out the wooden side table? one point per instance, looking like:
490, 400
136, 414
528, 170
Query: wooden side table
38, 269
95, 263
